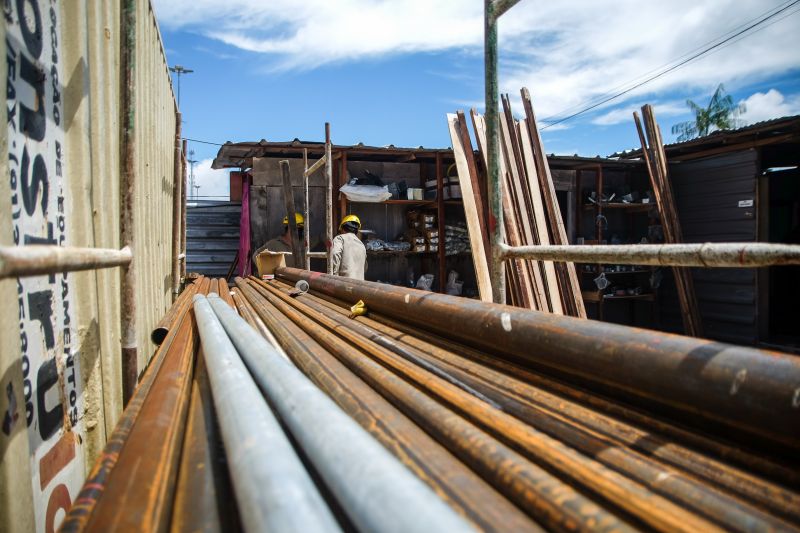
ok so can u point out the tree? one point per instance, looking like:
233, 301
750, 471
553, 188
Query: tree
721, 114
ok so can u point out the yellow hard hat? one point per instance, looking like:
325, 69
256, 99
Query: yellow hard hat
350, 218
298, 219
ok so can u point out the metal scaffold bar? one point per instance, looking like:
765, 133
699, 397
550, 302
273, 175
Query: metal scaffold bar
37, 260
375, 490
274, 490
717, 255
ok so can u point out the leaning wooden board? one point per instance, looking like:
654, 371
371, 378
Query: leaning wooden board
471, 212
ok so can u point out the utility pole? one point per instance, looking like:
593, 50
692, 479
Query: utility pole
191, 160
178, 70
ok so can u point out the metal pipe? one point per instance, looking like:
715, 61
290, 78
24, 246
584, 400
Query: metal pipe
38, 260
177, 185
496, 269
501, 6
248, 312
171, 319
706, 255
306, 215
750, 392
632, 485
374, 489
549, 500
636, 430
94, 487
453, 480
274, 491
328, 197
183, 209
127, 230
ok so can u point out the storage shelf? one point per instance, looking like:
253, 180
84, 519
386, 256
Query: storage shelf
390, 253
609, 273
398, 202
620, 205
597, 297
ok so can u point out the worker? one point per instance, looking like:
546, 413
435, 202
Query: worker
348, 254
283, 243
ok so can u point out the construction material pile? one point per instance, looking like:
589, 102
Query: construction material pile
531, 213
517, 420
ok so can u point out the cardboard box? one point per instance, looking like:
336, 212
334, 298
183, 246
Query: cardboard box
268, 262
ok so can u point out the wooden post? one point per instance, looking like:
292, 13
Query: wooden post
306, 232
288, 199
177, 186
328, 196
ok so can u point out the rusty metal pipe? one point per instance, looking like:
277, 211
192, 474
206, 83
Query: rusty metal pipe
550, 501
177, 185
451, 479
706, 255
175, 312
86, 501
514, 394
274, 491
510, 396
38, 260
633, 498
375, 490
751, 392
248, 311
127, 228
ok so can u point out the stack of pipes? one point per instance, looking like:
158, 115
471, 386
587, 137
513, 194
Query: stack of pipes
471, 414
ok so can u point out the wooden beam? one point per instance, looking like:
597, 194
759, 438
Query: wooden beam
471, 211
288, 200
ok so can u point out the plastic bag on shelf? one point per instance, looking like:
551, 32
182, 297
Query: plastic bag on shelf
425, 282
366, 193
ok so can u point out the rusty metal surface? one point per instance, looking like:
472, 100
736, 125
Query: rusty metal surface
145, 473
550, 501
751, 392
36, 260
666, 467
177, 310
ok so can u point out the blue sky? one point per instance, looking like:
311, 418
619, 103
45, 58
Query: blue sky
386, 72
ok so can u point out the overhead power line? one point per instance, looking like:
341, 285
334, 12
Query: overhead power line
670, 67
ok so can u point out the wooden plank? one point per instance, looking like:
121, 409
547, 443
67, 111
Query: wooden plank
692, 320
481, 201
512, 225
476, 239
559, 234
541, 220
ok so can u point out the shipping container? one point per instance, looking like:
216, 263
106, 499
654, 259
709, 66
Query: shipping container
60, 370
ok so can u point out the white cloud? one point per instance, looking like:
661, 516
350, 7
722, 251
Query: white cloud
214, 183
566, 53
768, 105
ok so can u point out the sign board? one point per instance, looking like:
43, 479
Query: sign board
53, 403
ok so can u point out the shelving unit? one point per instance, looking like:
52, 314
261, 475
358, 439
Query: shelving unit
388, 266
638, 277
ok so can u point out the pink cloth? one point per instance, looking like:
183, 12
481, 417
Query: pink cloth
244, 229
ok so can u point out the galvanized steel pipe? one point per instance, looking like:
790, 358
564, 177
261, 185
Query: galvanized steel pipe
376, 491
38, 260
724, 255
744, 389
273, 489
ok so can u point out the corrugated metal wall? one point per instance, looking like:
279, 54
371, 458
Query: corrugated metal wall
716, 199
212, 237
60, 390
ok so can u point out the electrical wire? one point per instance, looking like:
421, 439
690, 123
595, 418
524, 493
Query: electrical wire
678, 65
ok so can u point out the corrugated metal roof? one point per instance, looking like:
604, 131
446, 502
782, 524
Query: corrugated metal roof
240, 155
775, 128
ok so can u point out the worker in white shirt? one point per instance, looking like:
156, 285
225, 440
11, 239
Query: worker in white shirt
348, 254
